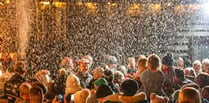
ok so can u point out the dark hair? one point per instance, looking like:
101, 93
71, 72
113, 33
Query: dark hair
103, 91
202, 79
108, 75
179, 73
129, 87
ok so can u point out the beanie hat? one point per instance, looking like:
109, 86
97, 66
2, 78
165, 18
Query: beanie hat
108, 75
129, 87
72, 84
82, 96
103, 91
100, 82
168, 60
110, 59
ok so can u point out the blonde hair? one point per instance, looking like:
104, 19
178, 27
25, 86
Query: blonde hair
154, 62
41, 76
142, 63
189, 95
24, 89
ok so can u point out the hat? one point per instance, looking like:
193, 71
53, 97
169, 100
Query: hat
100, 81
111, 60
72, 84
168, 60
103, 91
84, 61
82, 96
129, 87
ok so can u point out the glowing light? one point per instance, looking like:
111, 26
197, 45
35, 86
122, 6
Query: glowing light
7, 1
156, 7
1, 4
179, 7
169, 4
45, 2
59, 4
206, 8
79, 3
0, 73
91, 6
135, 7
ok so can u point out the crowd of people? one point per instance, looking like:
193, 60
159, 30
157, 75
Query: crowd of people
146, 80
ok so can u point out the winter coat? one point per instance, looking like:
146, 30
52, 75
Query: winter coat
11, 87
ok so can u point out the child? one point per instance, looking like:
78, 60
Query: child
24, 93
36, 95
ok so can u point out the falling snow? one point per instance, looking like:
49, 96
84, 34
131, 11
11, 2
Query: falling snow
46, 34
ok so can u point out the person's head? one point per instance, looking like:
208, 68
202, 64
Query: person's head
15, 57
36, 95
82, 96
98, 73
131, 62
193, 85
72, 84
24, 90
205, 92
123, 69
154, 62
43, 76
19, 68
189, 95
180, 62
168, 60
197, 66
189, 71
202, 80
88, 57
141, 56
103, 91
118, 77
129, 87
179, 75
62, 71
67, 62
84, 65
111, 62
142, 64
205, 65
6, 57
108, 75
41, 85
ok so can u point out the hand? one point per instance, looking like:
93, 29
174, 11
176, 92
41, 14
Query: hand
55, 100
